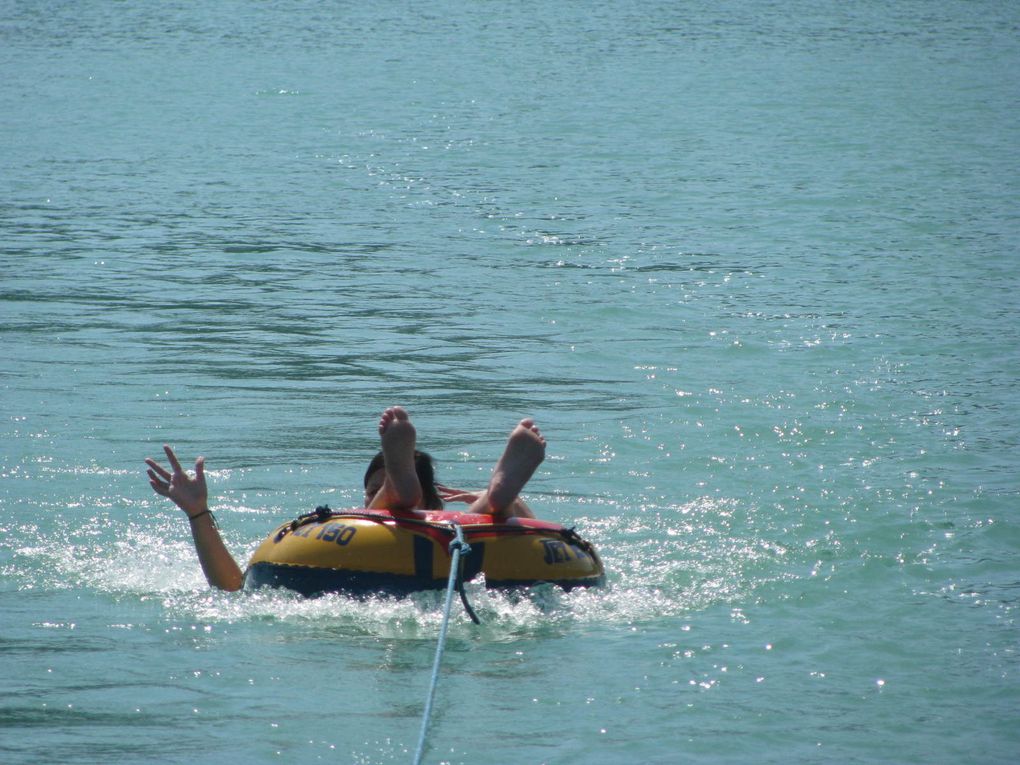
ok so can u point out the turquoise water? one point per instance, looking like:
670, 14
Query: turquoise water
751, 266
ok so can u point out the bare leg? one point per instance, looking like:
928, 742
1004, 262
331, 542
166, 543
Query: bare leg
401, 489
525, 450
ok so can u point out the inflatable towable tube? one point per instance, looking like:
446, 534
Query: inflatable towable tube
364, 551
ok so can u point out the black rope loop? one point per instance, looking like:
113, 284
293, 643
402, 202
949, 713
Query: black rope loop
321, 514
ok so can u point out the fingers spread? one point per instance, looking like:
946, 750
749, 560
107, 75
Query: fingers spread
155, 466
174, 463
158, 486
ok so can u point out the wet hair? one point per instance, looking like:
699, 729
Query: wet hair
424, 467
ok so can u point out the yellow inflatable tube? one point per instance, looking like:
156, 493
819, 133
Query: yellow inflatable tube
362, 551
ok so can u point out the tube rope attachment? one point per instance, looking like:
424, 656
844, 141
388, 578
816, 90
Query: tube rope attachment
457, 548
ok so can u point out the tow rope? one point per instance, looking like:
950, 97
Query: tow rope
457, 548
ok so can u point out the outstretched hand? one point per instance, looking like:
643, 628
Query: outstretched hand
189, 494
455, 495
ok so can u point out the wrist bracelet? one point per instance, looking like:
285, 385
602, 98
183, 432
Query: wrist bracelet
207, 511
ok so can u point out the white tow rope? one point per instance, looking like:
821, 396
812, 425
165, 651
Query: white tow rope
458, 547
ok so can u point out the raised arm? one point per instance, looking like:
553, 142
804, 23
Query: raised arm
191, 495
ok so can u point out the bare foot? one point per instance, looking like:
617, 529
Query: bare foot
525, 450
401, 489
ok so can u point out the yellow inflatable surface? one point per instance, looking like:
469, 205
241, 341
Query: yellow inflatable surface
362, 551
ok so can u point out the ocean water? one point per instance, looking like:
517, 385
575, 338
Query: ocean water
753, 268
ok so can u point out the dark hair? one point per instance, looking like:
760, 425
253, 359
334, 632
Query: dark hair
424, 467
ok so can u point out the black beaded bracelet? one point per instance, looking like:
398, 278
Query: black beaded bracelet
199, 515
